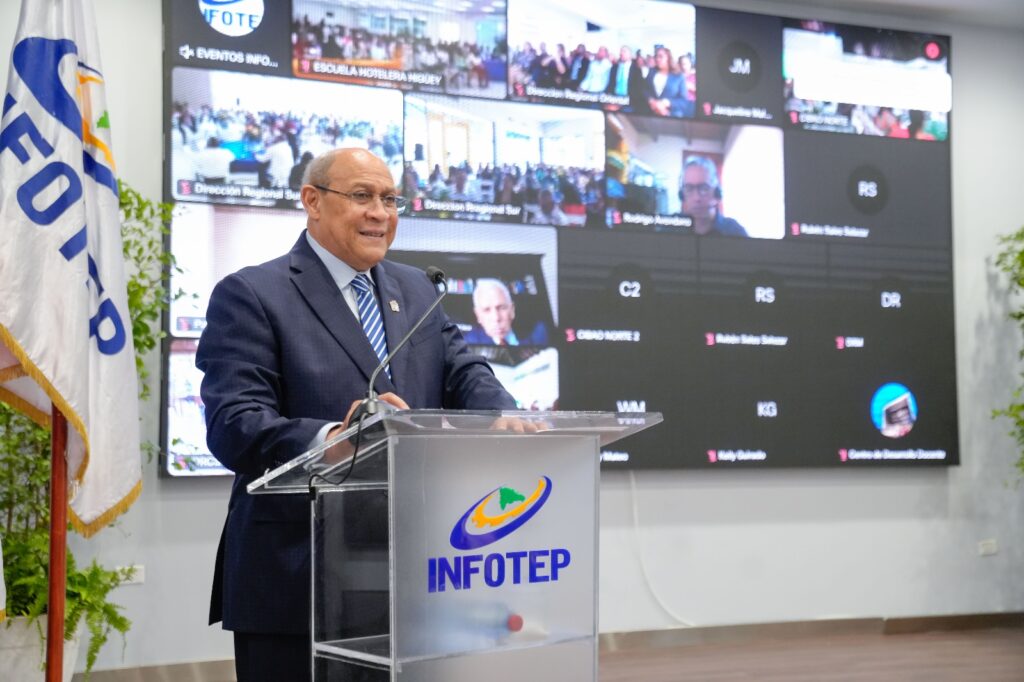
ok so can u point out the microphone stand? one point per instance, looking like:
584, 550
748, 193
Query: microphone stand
371, 405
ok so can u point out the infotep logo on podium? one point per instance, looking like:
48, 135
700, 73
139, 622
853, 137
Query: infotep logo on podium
493, 517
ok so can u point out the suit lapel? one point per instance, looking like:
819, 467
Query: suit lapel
316, 286
396, 324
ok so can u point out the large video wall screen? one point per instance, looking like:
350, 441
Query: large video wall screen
738, 220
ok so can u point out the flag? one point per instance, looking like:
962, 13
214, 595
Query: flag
3, 585
64, 318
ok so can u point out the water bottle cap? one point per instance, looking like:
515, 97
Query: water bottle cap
515, 622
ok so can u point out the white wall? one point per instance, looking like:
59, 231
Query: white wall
717, 547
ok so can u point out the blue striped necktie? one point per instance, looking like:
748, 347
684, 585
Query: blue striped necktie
369, 316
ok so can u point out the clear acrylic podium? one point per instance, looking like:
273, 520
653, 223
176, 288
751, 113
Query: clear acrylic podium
453, 551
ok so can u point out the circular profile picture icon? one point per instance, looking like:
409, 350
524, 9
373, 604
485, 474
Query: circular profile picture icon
867, 189
894, 410
739, 66
232, 17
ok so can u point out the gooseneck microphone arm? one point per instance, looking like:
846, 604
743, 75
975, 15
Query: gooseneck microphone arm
371, 405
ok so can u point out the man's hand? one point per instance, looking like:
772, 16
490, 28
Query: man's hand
343, 449
389, 398
518, 425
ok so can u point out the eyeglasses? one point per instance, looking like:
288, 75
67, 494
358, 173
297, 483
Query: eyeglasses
703, 189
391, 202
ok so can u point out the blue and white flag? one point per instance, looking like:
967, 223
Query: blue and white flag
63, 304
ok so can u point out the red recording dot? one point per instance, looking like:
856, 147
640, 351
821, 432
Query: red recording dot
515, 622
932, 50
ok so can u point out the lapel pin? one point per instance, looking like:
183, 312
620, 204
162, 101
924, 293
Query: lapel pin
394, 305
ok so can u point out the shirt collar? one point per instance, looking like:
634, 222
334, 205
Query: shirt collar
341, 272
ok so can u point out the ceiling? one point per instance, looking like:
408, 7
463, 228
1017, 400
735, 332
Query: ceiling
1002, 13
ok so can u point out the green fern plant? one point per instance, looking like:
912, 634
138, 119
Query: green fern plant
1010, 261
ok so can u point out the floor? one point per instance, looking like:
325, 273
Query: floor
994, 655
965, 656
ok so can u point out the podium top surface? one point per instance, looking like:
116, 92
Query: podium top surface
328, 464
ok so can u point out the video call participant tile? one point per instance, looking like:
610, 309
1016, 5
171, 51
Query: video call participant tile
867, 189
754, 416
249, 35
502, 294
706, 179
866, 81
893, 410
503, 162
636, 56
245, 139
431, 45
739, 60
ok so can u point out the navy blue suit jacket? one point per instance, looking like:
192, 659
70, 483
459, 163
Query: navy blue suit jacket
674, 91
283, 355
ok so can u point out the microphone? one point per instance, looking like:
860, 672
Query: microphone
371, 405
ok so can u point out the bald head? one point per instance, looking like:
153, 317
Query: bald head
355, 230
318, 172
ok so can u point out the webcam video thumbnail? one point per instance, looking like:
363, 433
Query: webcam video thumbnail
211, 242
502, 294
636, 56
503, 162
455, 46
245, 139
187, 454
706, 179
866, 81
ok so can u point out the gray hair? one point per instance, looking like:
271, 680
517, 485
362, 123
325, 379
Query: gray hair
485, 283
705, 164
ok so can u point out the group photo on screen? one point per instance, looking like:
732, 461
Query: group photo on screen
852, 79
503, 161
637, 58
245, 139
433, 45
706, 179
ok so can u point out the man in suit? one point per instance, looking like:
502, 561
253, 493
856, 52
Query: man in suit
495, 311
626, 80
285, 354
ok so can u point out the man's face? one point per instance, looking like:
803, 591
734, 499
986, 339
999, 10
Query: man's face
357, 234
546, 200
698, 196
494, 312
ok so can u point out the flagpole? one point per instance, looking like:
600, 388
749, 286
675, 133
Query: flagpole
58, 548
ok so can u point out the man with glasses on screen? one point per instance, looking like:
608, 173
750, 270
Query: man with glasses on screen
288, 349
701, 195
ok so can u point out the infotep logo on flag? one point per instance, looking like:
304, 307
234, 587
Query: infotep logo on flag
64, 322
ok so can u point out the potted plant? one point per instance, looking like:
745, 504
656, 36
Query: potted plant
25, 460
1011, 261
